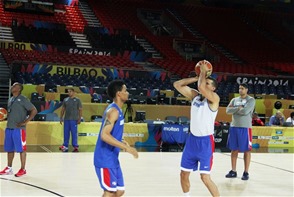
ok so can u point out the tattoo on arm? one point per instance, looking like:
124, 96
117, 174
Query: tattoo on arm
107, 122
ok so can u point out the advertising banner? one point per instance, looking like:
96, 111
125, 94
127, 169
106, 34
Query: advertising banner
112, 73
174, 133
273, 137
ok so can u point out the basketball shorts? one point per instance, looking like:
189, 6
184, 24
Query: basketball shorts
111, 179
198, 154
15, 140
240, 139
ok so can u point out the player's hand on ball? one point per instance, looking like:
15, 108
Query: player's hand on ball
203, 66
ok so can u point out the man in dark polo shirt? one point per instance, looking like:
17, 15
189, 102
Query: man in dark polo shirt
15, 132
72, 112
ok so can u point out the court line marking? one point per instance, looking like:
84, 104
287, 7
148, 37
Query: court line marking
46, 149
264, 164
31, 185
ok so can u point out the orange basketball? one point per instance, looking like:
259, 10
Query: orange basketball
207, 64
3, 113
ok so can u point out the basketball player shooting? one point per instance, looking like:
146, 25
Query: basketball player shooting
199, 148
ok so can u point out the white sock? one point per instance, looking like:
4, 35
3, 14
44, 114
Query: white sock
187, 194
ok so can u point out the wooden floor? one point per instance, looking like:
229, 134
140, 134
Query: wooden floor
153, 174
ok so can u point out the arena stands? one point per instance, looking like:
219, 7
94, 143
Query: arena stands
239, 43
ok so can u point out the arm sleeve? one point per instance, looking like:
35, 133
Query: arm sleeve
28, 105
80, 104
231, 110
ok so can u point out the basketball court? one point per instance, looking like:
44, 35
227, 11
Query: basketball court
153, 174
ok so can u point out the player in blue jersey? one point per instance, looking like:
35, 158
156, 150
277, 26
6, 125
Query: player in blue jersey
199, 147
110, 142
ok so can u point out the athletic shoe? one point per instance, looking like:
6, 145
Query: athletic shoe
6, 171
76, 149
231, 174
20, 173
245, 176
63, 148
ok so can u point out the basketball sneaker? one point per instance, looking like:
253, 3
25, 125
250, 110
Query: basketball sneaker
245, 176
6, 171
231, 174
63, 148
76, 149
21, 172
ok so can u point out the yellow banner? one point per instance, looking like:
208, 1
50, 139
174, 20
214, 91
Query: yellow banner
273, 137
51, 133
15, 45
72, 70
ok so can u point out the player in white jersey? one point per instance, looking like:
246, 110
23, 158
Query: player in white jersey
199, 147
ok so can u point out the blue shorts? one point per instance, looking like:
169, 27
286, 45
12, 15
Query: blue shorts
15, 140
198, 154
240, 139
111, 179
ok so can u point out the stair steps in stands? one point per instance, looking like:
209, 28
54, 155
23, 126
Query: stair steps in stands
148, 47
80, 40
89, 15
6, 34
4, 82
196, 34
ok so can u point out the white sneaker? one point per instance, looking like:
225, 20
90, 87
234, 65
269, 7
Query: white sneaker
6, 171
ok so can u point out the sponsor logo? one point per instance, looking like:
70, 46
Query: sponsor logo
122, 122
219, 134
225, 131
265, 137
279, 132
275, 142
274, 150
133, 135
88, 134
174, 129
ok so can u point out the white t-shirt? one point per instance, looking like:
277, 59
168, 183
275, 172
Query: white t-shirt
290, 120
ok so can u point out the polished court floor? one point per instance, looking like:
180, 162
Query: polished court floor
51, 173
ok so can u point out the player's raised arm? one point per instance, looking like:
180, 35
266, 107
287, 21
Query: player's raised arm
207, 85
184, 89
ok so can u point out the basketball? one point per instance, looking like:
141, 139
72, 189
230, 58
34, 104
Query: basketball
207, 64
3, 113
